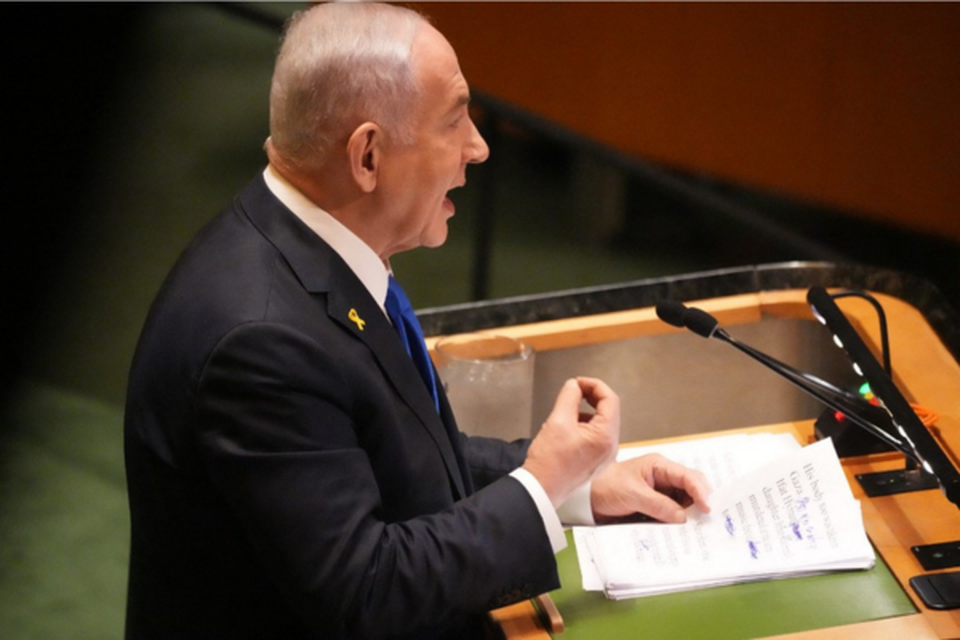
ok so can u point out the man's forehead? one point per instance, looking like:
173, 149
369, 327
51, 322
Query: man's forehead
459, 96
435, 59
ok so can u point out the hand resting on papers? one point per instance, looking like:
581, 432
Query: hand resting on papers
650, 485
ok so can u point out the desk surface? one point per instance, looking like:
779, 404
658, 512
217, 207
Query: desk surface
925, 372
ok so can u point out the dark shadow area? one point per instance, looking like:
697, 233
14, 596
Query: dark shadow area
61, 64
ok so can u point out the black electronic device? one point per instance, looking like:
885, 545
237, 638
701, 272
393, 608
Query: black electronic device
848, 439
938, 590
940, 555
918, 444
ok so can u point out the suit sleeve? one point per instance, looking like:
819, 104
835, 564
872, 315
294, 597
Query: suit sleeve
491, 459
287, 434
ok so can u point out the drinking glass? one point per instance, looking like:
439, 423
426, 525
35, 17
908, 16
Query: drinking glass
489, 382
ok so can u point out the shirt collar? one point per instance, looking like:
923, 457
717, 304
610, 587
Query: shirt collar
362, 260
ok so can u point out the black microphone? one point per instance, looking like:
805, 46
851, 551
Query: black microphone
672, 312
696, 320
704, 324
858, 410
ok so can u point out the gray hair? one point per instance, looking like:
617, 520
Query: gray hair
341, 65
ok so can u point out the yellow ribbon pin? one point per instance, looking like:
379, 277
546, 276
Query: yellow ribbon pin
356, 319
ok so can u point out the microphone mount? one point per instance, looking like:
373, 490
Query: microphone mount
859, 411
898, 427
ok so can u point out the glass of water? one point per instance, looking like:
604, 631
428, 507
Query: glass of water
489, 381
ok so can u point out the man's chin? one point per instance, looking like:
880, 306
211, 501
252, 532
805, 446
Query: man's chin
436, 238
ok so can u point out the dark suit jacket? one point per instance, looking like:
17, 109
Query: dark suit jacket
288, 473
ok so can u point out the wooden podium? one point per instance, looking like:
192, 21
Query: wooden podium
923, 343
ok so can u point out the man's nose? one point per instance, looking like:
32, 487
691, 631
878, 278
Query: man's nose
476, 150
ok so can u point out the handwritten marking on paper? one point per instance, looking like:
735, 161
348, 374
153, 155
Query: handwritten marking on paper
804, 523
795, 527
728, 524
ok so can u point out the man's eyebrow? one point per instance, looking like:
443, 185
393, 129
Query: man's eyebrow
462, 100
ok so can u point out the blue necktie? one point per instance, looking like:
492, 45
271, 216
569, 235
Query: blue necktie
411, 334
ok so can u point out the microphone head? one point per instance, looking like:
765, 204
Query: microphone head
671, 312
700, 322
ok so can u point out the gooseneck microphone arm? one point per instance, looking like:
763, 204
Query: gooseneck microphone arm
857, 410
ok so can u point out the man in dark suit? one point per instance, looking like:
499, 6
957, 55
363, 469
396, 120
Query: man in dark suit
290, 473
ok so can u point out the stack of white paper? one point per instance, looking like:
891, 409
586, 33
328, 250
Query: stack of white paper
777, 510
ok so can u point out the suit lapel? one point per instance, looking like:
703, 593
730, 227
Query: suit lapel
349, 304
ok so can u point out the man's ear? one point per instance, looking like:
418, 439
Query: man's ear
364, 150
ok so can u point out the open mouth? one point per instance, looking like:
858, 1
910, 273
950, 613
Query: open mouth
448, 202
